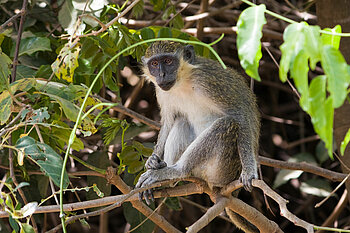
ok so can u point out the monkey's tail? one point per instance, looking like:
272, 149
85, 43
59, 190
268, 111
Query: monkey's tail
241, 222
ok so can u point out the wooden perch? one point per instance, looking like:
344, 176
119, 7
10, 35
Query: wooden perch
221, 199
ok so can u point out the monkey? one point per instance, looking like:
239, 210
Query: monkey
209, 121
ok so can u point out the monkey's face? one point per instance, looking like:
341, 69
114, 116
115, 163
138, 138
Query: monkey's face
164, 68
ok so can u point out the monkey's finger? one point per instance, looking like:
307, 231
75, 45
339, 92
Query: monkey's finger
161, 165
150, 195
142, 179
140, 196
146, 195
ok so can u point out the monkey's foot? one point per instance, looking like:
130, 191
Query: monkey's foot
146, 179
246, 179
155, 163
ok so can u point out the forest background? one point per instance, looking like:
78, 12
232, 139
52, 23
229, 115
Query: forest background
72, 96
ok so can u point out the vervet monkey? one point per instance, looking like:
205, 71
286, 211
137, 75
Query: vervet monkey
209, 117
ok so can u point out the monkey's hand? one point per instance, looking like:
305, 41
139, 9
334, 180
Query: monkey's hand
155, 163
246, 178
152, 176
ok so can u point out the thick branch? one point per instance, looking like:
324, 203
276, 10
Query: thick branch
212, 212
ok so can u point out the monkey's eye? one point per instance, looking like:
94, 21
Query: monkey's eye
168, 61
154, 63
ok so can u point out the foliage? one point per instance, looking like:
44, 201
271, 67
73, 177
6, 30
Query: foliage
304, 46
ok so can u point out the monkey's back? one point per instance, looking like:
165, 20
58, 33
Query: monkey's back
226, 87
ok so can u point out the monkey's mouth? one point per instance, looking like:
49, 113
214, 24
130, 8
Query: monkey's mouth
165, 86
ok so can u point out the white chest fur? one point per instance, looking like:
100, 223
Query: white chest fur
191, 102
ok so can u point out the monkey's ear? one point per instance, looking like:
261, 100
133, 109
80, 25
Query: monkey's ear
189, 54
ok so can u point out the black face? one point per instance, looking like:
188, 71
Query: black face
164, 67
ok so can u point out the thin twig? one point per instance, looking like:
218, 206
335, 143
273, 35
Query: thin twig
19, 36
10, 20
303, 166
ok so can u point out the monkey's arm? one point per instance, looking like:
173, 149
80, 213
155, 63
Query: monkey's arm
167, 124
155, 161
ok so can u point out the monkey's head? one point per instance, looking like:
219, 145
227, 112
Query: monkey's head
164, 58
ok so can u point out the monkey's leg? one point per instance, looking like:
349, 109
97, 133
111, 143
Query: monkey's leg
216, 143
179, 137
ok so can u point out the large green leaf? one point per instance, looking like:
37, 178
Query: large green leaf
31, 45
338, 78
48, 160
71, 111
294, 42
299, 72
321, 111
312, 44
331, 39
249, 33
5, 62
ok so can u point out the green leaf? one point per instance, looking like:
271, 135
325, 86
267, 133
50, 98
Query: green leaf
173, 203
299, 73
135, 166
317, 187
249, 33
338, 78
294, 42
147, 33
61, 136
31, 45
321, 111
66, 62
5, 62
69, 108
345, 142
137, 10
21, 185
26, 228
9, 203
134, 217
164, 33
6, 100
145, 151
5, 110
321, 152
177, 22
48, 160
24, 72
312, 44
330, 39
129, 155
